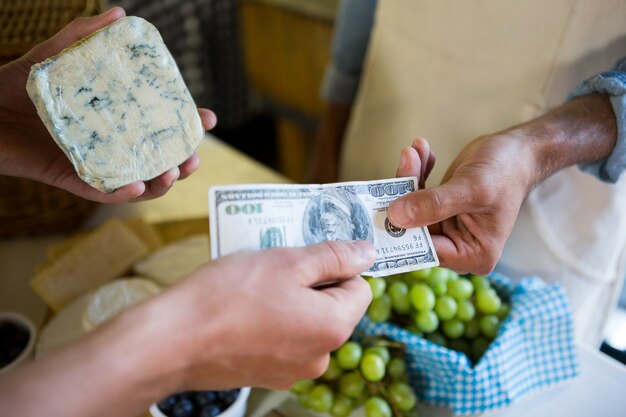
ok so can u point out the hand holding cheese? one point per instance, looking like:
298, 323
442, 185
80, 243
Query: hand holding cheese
106, 143
251, 319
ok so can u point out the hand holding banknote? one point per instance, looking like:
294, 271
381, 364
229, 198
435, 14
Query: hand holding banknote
471, 214
250, 217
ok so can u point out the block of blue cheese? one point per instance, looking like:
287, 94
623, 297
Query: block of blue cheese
116, 104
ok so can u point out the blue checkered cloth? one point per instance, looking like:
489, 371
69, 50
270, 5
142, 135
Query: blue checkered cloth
534, 350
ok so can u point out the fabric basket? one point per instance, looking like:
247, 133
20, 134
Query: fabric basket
534, 350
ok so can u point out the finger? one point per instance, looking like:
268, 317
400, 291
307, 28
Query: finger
73, 32
430, 164
354, 295
208, 118
417, 161
328, 261
141, 191
159, 185
410, 163
311, 367
189, 166
428, 206
135, 192
434, 229
445, 248
466, 251
427, 159
124, 194
452, 255
72, 183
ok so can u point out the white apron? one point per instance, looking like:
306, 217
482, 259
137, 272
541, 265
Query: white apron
450, 71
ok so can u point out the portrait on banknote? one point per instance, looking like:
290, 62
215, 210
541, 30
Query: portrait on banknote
336, 214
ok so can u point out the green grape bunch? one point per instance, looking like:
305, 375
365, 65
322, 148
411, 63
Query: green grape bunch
462, 313
370, 373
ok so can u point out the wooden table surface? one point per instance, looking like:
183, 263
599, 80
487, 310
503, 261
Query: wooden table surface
187, 200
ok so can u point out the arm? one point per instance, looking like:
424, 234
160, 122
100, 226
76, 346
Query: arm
613, 84
245, 320
471, 214
26, 148
351, 37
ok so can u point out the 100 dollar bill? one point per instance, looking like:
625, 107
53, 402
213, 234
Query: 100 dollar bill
260, 216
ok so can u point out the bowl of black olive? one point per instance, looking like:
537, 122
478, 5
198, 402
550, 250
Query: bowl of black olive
226, 403
17, 339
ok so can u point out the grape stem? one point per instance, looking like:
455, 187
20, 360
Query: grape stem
378, 341
378, 388
394, 410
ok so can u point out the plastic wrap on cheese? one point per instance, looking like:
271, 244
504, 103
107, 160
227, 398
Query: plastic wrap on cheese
116, 104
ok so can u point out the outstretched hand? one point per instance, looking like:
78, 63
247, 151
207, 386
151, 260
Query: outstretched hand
261, 319
26, 148
271, 317
471, 214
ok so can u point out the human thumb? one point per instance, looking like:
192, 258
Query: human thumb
428, 206
76, 30
328, 261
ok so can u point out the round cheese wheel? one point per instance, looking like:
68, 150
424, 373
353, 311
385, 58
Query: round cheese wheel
112, 298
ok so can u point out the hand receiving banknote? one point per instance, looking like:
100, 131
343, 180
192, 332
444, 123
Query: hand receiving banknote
261, 216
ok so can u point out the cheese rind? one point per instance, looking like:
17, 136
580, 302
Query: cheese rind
116, 296
117, 106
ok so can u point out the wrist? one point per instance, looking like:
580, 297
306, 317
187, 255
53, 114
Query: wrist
146, 349
581, 130
174, 328
123, 357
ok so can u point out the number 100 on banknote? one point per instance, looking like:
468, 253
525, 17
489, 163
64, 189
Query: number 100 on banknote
249, 217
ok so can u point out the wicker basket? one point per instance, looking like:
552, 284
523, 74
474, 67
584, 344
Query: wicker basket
28, 207
32, 208
25, 23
